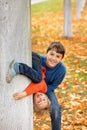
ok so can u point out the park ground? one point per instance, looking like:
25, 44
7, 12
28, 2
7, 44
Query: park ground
47, 26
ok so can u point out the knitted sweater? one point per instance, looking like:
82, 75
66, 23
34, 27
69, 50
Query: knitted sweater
54, 76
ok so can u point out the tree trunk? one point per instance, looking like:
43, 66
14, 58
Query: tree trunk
15, 44
79, 7
67, 19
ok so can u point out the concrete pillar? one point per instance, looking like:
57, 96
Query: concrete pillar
15, 43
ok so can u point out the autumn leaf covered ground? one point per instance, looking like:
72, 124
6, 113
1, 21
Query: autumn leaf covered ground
47, 26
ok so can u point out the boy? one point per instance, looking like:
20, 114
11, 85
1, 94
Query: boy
55, 73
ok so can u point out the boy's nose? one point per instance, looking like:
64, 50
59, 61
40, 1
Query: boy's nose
54, 58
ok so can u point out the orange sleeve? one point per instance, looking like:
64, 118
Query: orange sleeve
36, 87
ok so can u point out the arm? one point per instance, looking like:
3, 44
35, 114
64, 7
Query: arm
31, 89
57, 80
36, 87
19, 95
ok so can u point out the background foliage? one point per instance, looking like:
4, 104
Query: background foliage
47, 26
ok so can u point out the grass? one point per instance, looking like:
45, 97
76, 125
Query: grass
47, 6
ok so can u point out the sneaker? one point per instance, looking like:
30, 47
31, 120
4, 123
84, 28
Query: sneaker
11, 72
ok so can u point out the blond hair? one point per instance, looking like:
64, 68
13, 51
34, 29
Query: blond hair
44, 110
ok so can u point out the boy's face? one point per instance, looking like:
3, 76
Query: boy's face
53, 58
40, 100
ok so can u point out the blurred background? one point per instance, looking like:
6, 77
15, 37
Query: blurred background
64, 21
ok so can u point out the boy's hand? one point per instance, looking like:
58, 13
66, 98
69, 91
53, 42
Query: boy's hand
19, 95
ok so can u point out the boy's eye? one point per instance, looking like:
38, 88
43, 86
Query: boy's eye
58, 56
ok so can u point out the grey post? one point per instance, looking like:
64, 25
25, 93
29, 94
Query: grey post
15, 43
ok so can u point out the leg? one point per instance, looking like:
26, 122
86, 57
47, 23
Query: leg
34, 72
12, 71
55, 112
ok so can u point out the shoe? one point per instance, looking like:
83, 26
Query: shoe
11, 72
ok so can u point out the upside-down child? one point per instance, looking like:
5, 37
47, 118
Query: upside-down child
40, 99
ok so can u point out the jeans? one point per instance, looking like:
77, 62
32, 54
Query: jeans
34, 72
55, 113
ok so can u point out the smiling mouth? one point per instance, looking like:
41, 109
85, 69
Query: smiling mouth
51, 63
